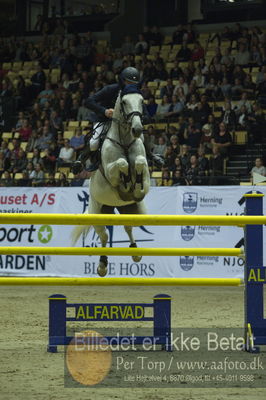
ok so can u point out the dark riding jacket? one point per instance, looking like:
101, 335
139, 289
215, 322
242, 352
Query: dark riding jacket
105, 99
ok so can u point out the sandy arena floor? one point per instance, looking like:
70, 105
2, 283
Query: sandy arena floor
27, 371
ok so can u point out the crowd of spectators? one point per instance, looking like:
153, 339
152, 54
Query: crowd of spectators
180, 89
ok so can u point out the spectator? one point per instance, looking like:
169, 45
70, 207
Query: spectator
169, 157
174, 143
152, 106
184, 54
203, 163
256, 125
242, 57
44, 141
77, 141
20, 163
184, 156
226, 88
192, 136
199, 78
243, 118
62, 181
30, 170
178, 179
192, 172
237, 88
162, 109
51, 182
45, 94
38, 82
36, 157
48, 161
212, 89
258, 168
206, 138
38, 175
243, 102
145, 91
216, 166
181, 84
175, 108
166, 178
176, 71
192, 103
227, 58
25, 130
197, 52
177, 166
7, 179
160, 148
229, 117
66, 154
222, 140
168, 89
4, 162
84, 114
141, 46
55, 123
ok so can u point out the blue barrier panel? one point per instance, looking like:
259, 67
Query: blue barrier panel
112, 312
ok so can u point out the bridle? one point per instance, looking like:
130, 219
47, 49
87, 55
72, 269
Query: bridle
127, 121
128, 117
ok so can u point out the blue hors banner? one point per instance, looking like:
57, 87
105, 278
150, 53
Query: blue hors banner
188, 200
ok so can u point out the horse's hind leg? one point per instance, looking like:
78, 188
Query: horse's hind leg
103, 263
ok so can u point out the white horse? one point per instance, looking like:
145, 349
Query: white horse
123, 180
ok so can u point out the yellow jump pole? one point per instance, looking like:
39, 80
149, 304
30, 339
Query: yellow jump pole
131, 220
121, 251
44, 281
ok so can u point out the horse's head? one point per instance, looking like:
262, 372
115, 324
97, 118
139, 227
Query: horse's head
131, 108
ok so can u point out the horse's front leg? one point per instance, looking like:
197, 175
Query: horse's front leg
103, 262
118, 171
142, 183
133, 244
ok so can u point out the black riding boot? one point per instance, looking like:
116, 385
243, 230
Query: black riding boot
86, 154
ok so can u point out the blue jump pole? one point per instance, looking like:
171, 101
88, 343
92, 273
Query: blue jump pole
255, 324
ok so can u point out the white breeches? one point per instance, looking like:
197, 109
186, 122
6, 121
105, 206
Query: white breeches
95, 139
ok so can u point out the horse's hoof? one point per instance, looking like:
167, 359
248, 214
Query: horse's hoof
102, 269
135, 258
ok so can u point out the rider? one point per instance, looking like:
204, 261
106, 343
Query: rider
102, 103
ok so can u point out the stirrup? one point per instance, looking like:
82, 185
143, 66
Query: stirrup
77, 167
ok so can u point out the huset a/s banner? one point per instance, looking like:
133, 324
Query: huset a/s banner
198, 200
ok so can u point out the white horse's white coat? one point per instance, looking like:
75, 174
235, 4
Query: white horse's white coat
121, 162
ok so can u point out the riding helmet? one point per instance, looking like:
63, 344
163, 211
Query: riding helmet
130, 74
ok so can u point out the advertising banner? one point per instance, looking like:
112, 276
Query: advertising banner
197, 200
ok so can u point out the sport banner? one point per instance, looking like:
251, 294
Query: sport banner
197, 200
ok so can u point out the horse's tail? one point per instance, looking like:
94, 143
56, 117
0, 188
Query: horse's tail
78, 231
